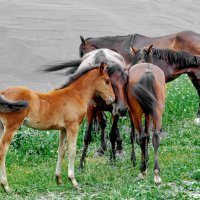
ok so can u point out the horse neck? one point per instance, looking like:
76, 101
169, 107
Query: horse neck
84, 87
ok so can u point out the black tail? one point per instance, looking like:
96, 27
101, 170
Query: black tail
71, 64
144, 92
7, 105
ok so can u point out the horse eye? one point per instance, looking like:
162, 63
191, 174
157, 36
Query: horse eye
107, 81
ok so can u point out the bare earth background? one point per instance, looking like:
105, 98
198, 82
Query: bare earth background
38, 32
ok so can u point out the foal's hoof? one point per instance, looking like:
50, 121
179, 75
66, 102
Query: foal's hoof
197, 121
58, 180
6, 188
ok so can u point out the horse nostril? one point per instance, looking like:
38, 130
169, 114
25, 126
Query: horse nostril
122, 112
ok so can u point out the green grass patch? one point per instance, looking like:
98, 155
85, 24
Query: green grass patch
31, 160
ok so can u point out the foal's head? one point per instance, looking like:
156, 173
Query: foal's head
141, 55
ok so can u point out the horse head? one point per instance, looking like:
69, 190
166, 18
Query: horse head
85, 47
141, 55
118, 79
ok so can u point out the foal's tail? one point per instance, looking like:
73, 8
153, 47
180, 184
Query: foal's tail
7, 105
144, 92
74, 64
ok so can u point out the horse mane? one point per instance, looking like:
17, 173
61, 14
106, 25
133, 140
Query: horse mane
73, 77
176, 57
99, 58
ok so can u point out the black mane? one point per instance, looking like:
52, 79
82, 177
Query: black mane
177, 57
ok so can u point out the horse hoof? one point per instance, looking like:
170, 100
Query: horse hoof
157, 180
100, 152
120, 153
142, 176
197, 121
58, 180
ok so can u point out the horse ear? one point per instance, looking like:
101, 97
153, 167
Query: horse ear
82, 39
133, 50
150, 49
101, 67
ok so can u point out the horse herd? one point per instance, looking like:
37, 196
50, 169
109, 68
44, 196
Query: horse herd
114, 74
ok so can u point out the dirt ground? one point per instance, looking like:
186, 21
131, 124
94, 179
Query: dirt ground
34, 33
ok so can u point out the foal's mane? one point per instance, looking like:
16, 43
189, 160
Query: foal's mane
73, 77
177, 57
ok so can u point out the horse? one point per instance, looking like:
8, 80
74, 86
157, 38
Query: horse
182, 41
173, 63
62, 109
146, 96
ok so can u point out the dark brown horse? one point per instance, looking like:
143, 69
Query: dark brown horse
146, 96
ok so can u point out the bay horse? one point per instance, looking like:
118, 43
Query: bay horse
173, 64
62, 109
182, 41
115, 68
146, 96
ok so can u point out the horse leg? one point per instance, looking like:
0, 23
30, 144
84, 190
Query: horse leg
133, 156
119, 148
102, 123
156, 142
88, 134
147, 124
9, 131
113, 136
61, 153
72, 133
196, 84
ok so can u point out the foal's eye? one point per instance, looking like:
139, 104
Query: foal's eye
107, 82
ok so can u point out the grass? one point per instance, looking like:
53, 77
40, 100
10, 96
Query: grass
31, 160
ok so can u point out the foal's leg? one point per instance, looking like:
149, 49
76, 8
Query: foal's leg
156, 142
9, 132
102, 123
88, 134
61, 153
72, 133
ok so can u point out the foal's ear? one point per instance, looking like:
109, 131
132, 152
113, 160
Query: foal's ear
102, 67
82, 39
150, 49
133, 50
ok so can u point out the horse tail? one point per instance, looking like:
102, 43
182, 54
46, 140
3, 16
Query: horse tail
74, 64
144, 92
7, 105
